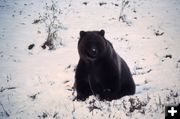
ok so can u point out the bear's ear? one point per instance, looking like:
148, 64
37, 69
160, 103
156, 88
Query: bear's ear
82, 33
102, 32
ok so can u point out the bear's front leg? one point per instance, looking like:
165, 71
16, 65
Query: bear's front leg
83, 90
81, 82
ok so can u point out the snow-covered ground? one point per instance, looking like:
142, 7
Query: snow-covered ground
38, 83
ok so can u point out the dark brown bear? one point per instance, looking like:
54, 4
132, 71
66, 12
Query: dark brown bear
101, 71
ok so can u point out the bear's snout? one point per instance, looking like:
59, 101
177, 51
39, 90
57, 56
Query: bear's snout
93, 53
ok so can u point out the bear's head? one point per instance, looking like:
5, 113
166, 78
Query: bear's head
92, 45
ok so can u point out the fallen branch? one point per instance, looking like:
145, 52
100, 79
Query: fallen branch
9, 88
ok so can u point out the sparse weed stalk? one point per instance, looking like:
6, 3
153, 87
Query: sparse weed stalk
52, 24
124, 3
122, 16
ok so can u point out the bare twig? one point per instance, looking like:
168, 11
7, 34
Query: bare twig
7, 114
73, 111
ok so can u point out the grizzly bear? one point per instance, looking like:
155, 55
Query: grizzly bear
100, 70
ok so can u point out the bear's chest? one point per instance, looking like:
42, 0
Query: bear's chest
100, 76
99, 83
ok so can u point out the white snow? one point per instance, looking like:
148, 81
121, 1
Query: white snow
38, 83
